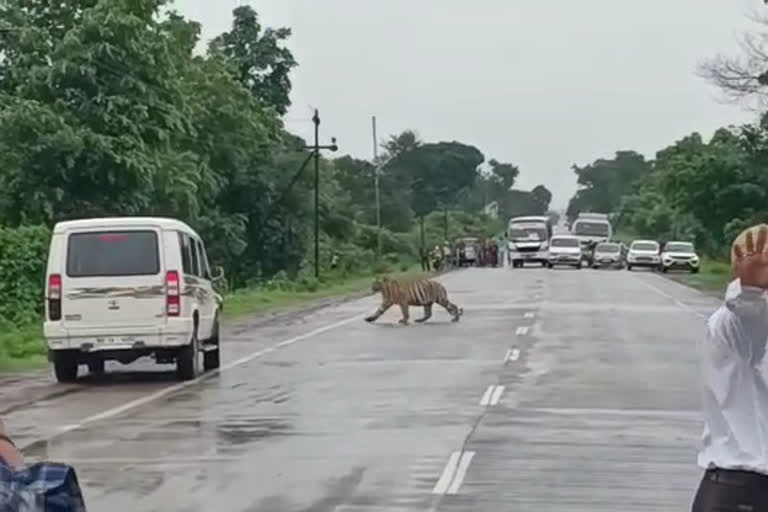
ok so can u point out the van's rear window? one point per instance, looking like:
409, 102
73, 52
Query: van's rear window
113, 253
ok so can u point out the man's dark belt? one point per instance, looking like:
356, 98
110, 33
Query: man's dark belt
736, 477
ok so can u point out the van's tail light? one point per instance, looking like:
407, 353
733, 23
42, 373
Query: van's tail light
172, 294
54, 297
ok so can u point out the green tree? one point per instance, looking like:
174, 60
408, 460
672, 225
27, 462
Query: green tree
258, 58
605, 181
91, 131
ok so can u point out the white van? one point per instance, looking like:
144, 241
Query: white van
127, 287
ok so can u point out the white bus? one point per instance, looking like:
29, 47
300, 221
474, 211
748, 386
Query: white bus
528, 240
592, 227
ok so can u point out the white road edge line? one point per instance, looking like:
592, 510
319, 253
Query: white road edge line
178, 387
486, 399
461, 472
522, 330
675, 300
496, 395
445, 478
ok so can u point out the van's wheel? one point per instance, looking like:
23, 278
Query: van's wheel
96, 367
211, 359
629, 267
187, 360
65, 366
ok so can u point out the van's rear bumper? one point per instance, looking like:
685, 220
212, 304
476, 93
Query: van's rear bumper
87, 340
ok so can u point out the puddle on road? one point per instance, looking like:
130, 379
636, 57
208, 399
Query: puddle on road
248, 431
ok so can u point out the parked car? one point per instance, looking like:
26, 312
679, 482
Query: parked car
643, 253
608, 254
679, 255
122, 288
565, 250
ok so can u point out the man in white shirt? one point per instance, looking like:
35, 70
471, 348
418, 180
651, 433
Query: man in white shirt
734, 452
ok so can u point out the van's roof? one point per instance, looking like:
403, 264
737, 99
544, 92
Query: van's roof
111, 222
529, 219
565, 236
645, 242
592, 220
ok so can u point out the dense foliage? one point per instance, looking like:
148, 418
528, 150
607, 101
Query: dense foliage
695, 189
107, 108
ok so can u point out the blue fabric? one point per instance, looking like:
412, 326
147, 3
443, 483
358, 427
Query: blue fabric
42, 487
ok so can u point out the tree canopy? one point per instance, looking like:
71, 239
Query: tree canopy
109, 109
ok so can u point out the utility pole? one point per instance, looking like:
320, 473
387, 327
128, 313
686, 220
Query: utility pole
316, 120
376, 185
316, 154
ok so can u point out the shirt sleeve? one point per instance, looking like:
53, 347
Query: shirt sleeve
741, 323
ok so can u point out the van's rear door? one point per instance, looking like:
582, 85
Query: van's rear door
113, 279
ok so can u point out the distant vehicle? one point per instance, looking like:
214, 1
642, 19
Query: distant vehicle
643, 253
592, 228
608, 254
122, 288
565, 250
467, 251
679, 255
528, 240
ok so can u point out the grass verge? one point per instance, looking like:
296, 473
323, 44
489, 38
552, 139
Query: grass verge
713, 277
22, 348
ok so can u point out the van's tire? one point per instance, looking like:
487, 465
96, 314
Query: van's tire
187, 360
629, 268
96, 367
65, 366
211, 359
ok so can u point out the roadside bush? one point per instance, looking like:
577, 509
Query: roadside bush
23, 255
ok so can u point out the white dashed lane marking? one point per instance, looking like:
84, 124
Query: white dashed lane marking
513, 354
453, 475
522, 330
492, 395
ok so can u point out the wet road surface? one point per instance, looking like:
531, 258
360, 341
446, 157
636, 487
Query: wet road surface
558, 390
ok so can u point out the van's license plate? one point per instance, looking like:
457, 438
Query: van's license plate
114, 340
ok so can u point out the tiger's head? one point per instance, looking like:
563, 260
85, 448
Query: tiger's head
378, 283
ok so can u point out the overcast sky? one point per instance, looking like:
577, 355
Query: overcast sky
539, 83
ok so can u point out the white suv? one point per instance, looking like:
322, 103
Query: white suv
123, 288
643, 253
679, 255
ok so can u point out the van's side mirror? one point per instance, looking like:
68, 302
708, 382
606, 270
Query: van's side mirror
218, 273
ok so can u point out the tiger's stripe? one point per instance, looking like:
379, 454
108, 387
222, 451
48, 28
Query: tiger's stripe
422, 292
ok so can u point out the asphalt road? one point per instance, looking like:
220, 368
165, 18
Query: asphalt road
558, 390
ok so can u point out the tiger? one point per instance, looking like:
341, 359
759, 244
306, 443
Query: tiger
423, 292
